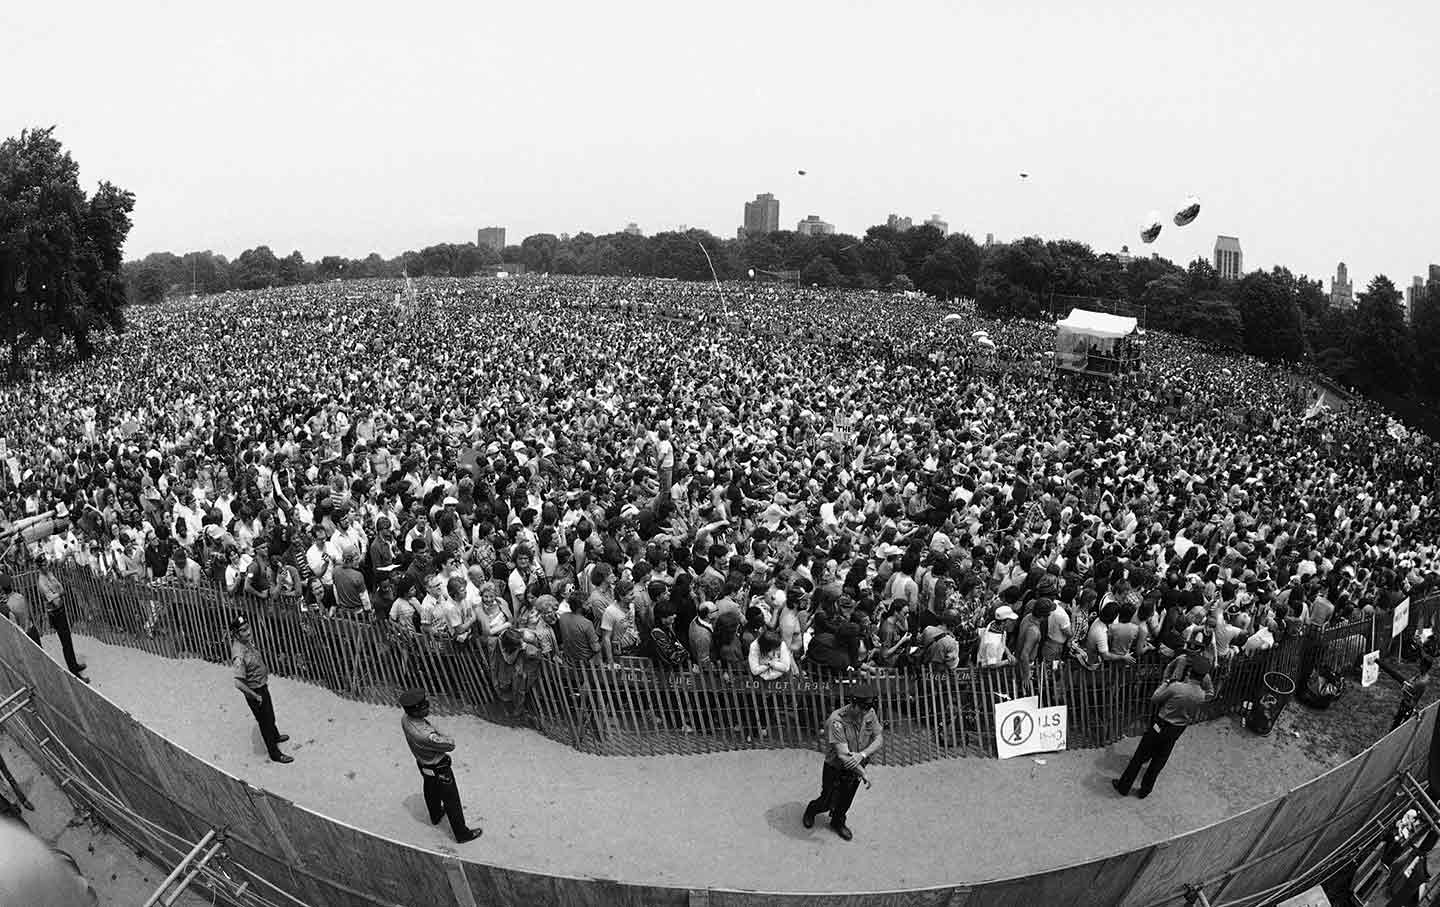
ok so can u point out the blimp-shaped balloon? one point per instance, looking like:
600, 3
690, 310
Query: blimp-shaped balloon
1189, 212
1150, 229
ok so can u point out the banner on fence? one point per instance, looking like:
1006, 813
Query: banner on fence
1401, 619
1022, 728
1370, 669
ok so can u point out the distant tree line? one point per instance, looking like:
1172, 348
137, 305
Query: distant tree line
1275, 314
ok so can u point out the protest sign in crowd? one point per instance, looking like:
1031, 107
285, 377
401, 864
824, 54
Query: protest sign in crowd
775, 480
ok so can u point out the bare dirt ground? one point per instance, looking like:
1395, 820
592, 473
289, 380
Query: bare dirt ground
729, 820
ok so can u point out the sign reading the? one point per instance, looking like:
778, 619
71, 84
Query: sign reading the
1022, 727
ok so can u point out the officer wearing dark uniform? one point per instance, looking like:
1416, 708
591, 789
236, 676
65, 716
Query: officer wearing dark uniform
252, 678
1178, 705
853, 734
432, 754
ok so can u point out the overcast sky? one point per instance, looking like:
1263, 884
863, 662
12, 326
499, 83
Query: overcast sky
1309, 130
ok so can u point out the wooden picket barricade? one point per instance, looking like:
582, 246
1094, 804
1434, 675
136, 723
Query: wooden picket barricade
635, 709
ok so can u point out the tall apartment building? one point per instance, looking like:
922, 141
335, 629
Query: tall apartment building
1229, 260
762, 215
938, 224
899, 224
814, 226
1342, 288
494, 237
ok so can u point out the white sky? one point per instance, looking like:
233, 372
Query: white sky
1309, 130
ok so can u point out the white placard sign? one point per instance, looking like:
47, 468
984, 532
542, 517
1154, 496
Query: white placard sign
1022, 728
1370, 668
1402, 619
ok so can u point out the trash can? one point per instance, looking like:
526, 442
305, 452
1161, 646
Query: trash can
1275, 691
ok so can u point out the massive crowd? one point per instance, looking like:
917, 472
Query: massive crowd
585, 469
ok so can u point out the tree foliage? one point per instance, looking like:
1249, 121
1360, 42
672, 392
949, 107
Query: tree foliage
60, 250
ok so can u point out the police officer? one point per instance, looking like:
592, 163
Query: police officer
432, 754
853, 734
52, 593
252, 678
1178, 704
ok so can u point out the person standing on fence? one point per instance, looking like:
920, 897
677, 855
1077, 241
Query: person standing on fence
432, 754
18, 607
1177, 706
252, 678
853, 735
52, 594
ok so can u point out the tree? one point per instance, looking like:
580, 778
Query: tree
1381, 343
1013, 278
1272, 319
821, 271
538, 252
61, 273
149, 284
256, 269
1425, 327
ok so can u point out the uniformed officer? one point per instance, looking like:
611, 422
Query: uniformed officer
252, 678
853, 734
1178, 704
432, 754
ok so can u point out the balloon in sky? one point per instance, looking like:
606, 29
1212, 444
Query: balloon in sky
1150, 229
752, 272
1189, 212
1024, 176
801, 172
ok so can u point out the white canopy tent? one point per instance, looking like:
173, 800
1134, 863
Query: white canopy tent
1096, 343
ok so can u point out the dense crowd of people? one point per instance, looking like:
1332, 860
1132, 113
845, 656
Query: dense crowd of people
778, 480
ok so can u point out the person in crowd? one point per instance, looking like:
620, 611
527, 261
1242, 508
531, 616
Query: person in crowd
853, 735
1412, 690
1177, 706
252, 677
432, 750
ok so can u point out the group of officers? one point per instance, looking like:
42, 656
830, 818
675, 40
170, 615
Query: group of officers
430, 747
853, 736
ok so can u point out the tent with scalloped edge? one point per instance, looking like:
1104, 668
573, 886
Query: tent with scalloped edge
1096, 343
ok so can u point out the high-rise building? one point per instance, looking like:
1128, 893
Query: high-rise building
989, 239
762, 215
633, 229
494, 237
1434, 274
899, 224
1229, 260
814, 226
1414, 296
1342, 288
938, 224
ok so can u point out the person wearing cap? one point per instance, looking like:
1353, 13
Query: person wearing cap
52, 595
853, 735
431, 750
1177, 705
252, 678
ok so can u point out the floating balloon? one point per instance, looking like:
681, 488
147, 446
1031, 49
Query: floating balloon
752, 273
801, 172
1024, 176
1150, 229
1187, 214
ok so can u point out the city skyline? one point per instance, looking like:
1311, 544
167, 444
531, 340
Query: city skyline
331, 137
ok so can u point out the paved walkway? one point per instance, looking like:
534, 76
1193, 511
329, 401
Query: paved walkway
729, 820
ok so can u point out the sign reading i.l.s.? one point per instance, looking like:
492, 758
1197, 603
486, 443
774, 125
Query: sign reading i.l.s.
1022, 727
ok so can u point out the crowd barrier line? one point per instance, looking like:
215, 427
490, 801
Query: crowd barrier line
314, 860
635, 709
